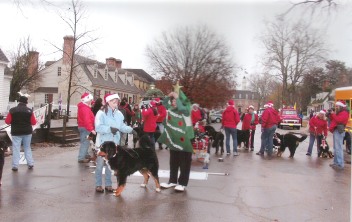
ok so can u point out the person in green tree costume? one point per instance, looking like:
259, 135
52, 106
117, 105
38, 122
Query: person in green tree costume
177, 136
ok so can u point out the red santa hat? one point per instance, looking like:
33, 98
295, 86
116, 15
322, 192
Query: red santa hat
86, 97
157, 100
270, 103
152, 103
341, 103
110, 96
231, 102
323, 111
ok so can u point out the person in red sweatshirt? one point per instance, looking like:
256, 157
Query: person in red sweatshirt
85, 122
270, 119
161, 117
318, 125
150, 116
196, 114
249, 124
337, 127
230, 119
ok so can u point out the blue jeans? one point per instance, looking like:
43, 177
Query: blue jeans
16, 147
338, 150
233, 133
99, 173
312, 138
83, 148
267, 139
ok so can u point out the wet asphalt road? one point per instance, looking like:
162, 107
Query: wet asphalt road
282, 189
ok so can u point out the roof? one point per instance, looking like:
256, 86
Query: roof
47, 90
143, 74
3, 57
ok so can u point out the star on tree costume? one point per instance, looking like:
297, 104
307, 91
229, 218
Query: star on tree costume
178, 125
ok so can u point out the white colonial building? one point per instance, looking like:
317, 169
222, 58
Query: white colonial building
89, 76
5, 82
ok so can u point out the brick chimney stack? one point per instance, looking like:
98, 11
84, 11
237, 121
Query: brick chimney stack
112, 62
33, 58
68, 49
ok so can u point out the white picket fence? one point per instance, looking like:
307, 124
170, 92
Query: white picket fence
62, 109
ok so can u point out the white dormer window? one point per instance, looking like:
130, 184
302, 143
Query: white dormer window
106, 74
116, 76
95, 75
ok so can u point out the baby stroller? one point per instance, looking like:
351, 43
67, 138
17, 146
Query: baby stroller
201, 147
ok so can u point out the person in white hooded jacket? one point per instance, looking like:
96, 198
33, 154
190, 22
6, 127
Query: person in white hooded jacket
108, 125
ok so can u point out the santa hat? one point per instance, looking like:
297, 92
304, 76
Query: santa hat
86, 97
152, 103
266, 106
231, 102
251, 107
323, 111
270, 103
341, 103
108, 97
157, 100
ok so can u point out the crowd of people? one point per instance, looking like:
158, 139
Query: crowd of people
112, 119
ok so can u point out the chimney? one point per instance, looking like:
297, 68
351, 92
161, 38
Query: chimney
33, 58
118, 63
68, 49
112, 62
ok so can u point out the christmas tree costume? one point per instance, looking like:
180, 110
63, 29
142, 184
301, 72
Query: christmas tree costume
177, 135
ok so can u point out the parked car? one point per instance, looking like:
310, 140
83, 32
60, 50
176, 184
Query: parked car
216, 116
289, 118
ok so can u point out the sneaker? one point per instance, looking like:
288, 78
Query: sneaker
260, 154
236, 154
87, 156
15, 169
308, 154
252, 149
167, 185
332, 164
337, 167
228, 154
84, 161
30, 167
180, 188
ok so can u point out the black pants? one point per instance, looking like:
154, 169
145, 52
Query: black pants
182, 160
252, 138
152, 139
348, 142
2, 161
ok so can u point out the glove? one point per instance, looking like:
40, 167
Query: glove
134, 132
113, 130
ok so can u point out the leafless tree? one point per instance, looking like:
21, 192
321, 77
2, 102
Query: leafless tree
25, 69
313, 5
73, 16
291, 49
196, 57
261, 84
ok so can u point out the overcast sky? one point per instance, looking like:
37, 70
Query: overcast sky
125, 28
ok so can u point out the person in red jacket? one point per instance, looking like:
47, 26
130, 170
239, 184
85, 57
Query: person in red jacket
85, 122
230, 119
249, 123
318, 126
196, 114
270, 119
337, 127
161, 117
150, 116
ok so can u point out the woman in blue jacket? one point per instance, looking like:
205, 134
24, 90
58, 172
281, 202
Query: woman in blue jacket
108, 125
